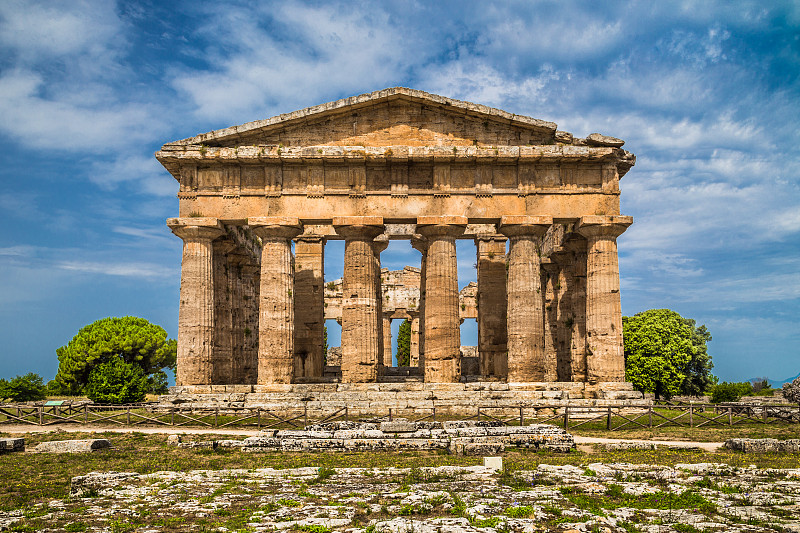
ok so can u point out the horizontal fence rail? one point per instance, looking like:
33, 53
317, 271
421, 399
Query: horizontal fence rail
612, 418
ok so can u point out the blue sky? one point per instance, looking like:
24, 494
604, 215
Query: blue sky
705, 94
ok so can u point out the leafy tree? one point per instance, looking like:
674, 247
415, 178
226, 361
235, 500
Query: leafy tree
158, 383
29, 387
404, 344
116, 381
731, 392
791, 391
698, 372
664, 351
134, 340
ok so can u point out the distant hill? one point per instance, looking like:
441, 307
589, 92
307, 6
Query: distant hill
778, 384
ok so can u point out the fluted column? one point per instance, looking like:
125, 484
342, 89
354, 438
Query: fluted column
492, 302
551, 273
309, 294
420, 243
605, 350
526, 355
415, 339
276, 301
196, 311
361, 340
251, 279
236, 289
442, 321
384, 330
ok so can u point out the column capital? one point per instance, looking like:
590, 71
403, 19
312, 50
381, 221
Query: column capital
519, 225
196, 227
380, 243
611, 226
275, 227
441, 226
361, 228
419, 243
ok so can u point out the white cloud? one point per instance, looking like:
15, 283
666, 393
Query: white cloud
134, 269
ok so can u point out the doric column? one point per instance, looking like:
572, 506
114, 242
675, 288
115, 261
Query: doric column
196, 311
413, 356
236, 289
605, 351
577, 294
251, 279
361, 342
276, 300
222, 358
492, 332
420, 243
551, 273
526, 356
384, 330
442, 322
309, 311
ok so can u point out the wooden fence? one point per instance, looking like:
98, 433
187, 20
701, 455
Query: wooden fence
569, 417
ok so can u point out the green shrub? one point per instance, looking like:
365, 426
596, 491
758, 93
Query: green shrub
116, 381
29, 387
730, 392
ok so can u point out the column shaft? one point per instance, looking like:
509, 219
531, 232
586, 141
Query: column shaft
276, 301
196, 311
309, 297
605, 355
526, 356
442, 321
361, 340
492, 305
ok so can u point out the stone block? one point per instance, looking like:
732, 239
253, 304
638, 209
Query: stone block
476, 448
495, 463
174, 440
72, 446
12, 445
398, 426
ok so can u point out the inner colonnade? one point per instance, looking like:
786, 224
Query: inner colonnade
252, 312
258, 202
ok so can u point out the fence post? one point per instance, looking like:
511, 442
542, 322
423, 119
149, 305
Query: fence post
86, 413
691, 417
566, 417
730, 415
305, 414
608, 419
346, 416
216, 414
650, 416
390, 414
521, 416
434, 413
479, 414
258, 416
172, 417
764, 412
41, 415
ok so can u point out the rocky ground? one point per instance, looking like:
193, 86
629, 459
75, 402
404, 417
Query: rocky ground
597, 497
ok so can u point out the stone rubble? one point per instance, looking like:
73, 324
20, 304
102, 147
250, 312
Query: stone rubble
613, 497
456, 437
72, 446
763, 445
12, 445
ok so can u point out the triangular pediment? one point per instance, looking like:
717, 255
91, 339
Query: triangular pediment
391, 117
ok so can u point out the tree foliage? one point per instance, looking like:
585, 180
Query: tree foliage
791, 391
29, 387
666, 354
117, 381
134, 340
404, 344
731, 392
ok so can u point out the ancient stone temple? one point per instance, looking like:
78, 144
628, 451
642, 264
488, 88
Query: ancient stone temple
258, 202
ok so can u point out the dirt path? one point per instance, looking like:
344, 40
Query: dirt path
169, 430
